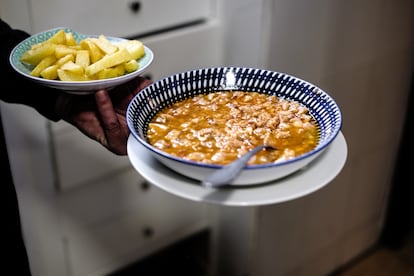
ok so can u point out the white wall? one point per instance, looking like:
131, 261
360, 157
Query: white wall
360, 52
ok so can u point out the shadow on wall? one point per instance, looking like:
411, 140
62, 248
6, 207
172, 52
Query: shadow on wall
399, 221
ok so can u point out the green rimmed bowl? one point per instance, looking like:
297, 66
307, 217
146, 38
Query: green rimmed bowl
74, 87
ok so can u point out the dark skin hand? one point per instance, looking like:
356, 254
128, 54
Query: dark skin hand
101, 116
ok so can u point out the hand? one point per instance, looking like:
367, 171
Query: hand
101, 116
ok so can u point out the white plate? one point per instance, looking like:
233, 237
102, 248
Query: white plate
74, 87
172, 89
309, 179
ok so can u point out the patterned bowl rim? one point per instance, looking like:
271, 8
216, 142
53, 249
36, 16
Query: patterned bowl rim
151, 89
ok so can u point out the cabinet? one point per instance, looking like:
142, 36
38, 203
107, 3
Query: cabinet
123, 18
120, 219
86, 211
110, 215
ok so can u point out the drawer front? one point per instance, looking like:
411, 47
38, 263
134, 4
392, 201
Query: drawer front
122, 219
122, 18
185, 49
80, 160
121, 194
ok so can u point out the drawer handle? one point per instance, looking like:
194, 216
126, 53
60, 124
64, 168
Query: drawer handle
148, 232
135, 6
145, 186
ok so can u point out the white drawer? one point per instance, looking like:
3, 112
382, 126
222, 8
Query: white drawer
111, 247
80, 160
117, 18
185, 49
124, 193
120, 220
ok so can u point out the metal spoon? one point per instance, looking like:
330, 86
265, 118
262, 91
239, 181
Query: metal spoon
227, 173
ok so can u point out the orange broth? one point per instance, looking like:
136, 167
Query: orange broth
218, 127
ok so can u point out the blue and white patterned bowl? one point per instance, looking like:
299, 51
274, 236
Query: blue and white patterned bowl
74, 87
177, 87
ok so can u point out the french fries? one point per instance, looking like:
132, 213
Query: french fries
61, 58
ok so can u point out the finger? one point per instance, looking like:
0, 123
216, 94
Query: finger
123, 94
141, 84
114, 133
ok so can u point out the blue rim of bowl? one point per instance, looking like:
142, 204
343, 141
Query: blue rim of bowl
311, 89
25, 69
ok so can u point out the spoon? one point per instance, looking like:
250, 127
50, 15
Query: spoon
227, 173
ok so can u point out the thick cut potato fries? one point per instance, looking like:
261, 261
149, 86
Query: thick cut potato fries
61, 58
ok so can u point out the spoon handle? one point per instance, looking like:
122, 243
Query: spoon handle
226, 174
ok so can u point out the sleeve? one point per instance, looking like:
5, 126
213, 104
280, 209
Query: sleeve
18, 89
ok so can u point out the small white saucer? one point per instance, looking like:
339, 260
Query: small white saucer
316, 175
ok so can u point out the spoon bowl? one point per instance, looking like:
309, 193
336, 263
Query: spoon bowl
225, 175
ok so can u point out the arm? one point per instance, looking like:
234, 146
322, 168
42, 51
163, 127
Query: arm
23, 90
